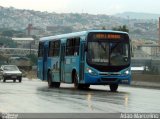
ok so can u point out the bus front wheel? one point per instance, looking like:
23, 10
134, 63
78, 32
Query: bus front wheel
113, 87
86, 86
76, 84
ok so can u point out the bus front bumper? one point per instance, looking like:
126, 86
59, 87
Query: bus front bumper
106, 80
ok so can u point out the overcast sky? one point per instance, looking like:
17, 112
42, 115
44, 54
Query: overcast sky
86, 6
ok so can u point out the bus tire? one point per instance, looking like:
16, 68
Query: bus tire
113, 87
52, 84
86, 86
76, 83
56, 84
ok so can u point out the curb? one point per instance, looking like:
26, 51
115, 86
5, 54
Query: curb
145, 84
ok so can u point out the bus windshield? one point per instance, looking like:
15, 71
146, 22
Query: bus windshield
105, 53
108, 52
98, 52
119, 54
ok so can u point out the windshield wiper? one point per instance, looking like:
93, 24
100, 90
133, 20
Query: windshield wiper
112, 48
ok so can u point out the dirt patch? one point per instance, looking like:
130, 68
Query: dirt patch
135, 77
31, 75
146, 77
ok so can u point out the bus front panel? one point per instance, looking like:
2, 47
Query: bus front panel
108, 58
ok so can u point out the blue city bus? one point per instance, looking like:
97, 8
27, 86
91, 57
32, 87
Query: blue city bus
94, 57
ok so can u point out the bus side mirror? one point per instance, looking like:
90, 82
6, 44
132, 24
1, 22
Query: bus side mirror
132, 53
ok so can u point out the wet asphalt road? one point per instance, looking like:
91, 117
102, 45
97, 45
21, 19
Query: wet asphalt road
33, 96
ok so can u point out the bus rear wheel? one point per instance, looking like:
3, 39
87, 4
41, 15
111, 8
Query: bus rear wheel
56, 84
52, 84
113, 87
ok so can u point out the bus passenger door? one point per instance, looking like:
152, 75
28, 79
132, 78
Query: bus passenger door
82, 63
62, 63
45, 63
40, 61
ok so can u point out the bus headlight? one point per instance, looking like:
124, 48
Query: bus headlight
90, 71
127, 72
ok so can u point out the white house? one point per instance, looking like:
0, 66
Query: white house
24, 42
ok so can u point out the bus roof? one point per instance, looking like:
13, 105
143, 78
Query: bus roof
75, 34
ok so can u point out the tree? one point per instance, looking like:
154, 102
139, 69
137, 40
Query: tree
7, 42
3, 59
121, 28
33, 58
8, 33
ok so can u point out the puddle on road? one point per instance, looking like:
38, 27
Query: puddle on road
90, 96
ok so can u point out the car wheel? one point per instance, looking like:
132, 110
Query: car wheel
14, 80
4, 79
20, 79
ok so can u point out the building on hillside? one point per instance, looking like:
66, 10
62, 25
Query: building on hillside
159, 33
2, 45
151, 49
53, 30
34, 31
24, 42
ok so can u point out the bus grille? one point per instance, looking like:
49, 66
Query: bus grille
109, 79
109, 74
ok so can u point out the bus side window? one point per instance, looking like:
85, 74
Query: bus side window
40, 50
54, 47
68, 48
51, 45
57, 48
77, 43
73, 47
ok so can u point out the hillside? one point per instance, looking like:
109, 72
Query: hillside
135, 15
16, 19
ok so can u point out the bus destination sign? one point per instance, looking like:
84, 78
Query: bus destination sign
107, 36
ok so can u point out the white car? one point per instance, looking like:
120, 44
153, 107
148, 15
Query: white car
10, 72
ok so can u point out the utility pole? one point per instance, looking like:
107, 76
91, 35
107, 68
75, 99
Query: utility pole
128, 18
30, 47
159, 32
159, 35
